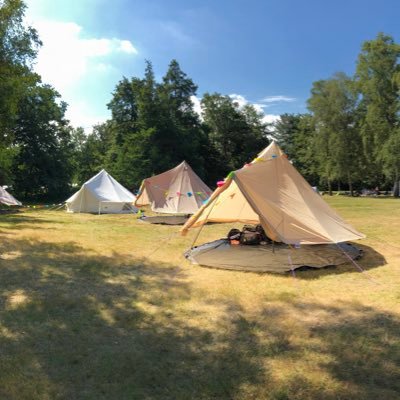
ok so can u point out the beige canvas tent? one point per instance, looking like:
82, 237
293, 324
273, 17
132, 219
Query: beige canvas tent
7, 198
102, 194
177, 191
269, 191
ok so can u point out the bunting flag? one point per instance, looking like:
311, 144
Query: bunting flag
188, 194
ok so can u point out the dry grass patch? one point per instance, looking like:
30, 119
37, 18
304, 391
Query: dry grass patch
90, 311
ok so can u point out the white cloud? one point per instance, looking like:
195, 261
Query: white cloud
196, 105
79, 66
270, 118
126, 47
277, 99
66, 57
238, 98
83, 116
242, 101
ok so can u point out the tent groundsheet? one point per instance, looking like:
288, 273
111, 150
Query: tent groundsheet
165, 219
276, 258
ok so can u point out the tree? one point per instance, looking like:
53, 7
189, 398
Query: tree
154, 126
42, 166
237, 134
18, 47
337, 142
90, 151
378, 81
285, 130
295, 133
178, 133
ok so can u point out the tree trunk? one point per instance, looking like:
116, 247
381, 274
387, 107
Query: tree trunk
350, 185
329, 187
396, 186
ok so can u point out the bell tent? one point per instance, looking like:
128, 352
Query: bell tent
7, 198
102, 194
177, 191
271, 192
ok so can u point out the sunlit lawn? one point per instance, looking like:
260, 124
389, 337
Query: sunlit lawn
106, 307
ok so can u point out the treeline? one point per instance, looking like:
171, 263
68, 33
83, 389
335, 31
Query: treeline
154, 126
350, 138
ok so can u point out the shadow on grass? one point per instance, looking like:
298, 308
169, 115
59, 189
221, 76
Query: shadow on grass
358, 347
82, 326
25, 220
78, 325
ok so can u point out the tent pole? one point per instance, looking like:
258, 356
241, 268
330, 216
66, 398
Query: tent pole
202, 226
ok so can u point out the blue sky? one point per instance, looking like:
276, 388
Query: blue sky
264, 52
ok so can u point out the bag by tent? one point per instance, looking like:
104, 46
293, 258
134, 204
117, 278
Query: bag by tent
7, 198
102, 194
177, 191
270, 191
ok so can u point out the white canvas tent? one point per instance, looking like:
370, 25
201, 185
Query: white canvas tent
177, 191
271, 192
102, 194
6, 198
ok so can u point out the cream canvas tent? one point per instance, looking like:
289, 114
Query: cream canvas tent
177, 191
271, 192
102, 194
6, 198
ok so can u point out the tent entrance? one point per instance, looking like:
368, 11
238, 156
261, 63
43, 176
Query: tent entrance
114, 207
270, 258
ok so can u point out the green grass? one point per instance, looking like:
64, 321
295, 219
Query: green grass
88, 310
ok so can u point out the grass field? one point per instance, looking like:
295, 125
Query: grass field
88, 310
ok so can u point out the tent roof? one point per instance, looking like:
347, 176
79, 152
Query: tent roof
7, 198
270, 191
176, 191
105, 188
